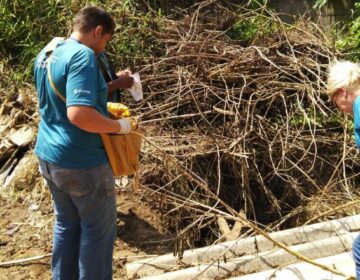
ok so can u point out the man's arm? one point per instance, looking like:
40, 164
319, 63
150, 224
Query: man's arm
123, 80
90, 120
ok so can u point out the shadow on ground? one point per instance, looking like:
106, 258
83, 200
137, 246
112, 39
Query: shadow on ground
141, 234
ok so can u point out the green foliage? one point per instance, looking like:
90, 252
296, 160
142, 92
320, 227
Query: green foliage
254, 26
254, 4
319, 4
314, 117
243, 30
251, 28
350, 42
133, 40
26, 26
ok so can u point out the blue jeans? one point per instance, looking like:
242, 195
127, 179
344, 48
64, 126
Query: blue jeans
356, 255
85, 226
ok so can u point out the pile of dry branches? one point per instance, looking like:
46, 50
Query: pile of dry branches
246, 120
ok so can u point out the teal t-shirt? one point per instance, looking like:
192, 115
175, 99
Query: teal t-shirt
75, 72
356, 112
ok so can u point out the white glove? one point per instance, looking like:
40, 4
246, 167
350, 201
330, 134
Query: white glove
125, 126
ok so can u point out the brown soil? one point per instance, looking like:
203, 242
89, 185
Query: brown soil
26, 231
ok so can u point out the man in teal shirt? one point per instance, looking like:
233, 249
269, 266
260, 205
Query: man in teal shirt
71, 154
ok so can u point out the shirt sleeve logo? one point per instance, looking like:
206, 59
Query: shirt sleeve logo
79, 91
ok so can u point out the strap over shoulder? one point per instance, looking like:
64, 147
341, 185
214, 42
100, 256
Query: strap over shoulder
51, 46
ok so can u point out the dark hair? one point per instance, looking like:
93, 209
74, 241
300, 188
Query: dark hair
91, 17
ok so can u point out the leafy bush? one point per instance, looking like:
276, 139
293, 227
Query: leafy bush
252, 28
133, 40
350, 42
243, 30
255, 26
27, 25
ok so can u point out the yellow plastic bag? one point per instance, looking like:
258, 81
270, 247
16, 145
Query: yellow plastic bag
118, 110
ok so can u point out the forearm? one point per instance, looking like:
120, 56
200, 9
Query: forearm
123, 80
90, 120
112, 86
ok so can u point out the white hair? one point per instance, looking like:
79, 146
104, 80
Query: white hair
343, 74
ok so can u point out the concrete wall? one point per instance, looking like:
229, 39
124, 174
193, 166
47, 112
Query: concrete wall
334, 10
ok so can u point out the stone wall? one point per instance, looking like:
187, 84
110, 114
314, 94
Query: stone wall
333, 11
